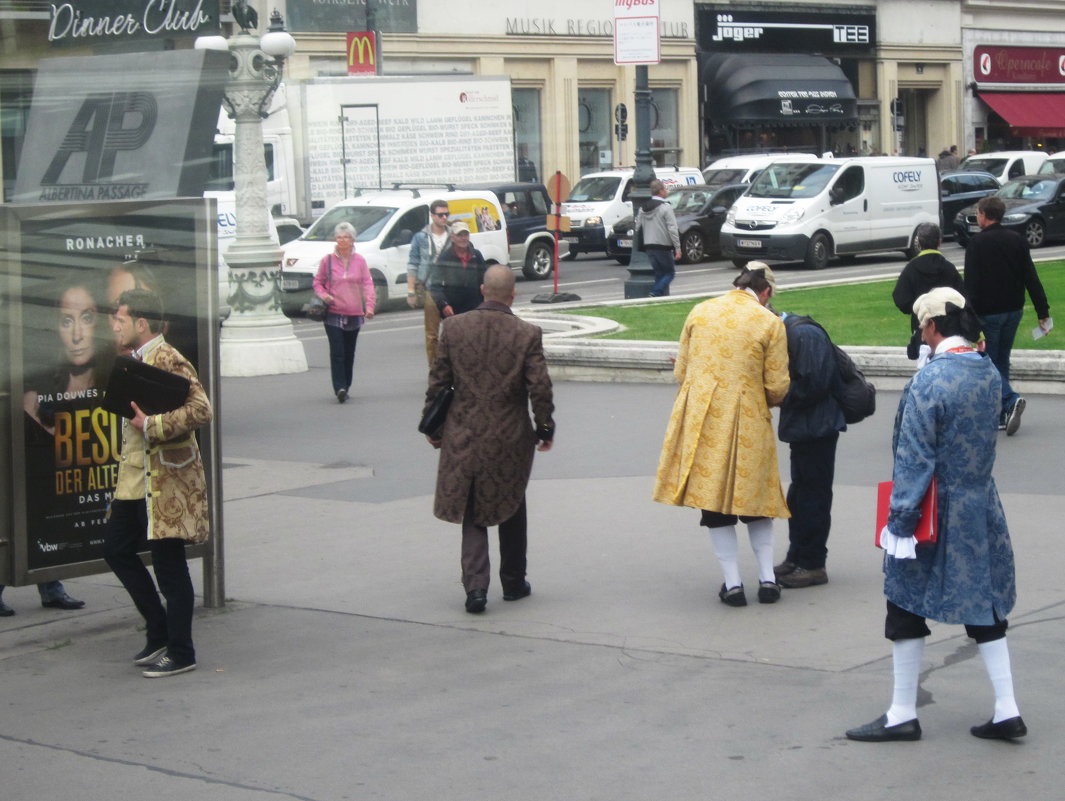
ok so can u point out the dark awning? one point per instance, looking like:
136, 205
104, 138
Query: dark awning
777, 88
1030, 113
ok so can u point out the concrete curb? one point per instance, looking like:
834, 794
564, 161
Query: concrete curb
574, 355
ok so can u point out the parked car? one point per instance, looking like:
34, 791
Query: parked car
1053, 164
699, 209
525, 210
1006, 164
958, 189
1035, 208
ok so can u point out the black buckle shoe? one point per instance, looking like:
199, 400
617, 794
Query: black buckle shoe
879, 732
1008, 729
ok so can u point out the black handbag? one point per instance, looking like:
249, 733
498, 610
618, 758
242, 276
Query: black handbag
316, 309
432, 424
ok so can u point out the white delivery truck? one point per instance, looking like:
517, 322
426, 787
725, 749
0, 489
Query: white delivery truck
358, 133
813, 211
600, 199
347, 135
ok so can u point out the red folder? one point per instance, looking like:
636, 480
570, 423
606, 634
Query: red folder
928, 525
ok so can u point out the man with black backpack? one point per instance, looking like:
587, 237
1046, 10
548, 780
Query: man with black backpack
811, 418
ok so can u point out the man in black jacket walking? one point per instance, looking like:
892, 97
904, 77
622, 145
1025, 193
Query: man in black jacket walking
998, 270
810, 422
926, 271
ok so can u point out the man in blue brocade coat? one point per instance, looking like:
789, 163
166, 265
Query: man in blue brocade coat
946, 428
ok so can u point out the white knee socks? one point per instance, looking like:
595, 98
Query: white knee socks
724, 542
726, 549
760, 533
906, 657
997, 661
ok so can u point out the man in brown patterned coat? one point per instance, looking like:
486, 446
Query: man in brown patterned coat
161, 496
495, 362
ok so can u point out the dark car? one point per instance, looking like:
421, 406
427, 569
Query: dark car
1035, 208
961, 188
700, 211
525, 208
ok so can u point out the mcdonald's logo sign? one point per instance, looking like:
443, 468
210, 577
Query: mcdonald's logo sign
364, 53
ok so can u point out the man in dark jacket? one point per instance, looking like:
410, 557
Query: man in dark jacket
924, 273
661, 238
455, 283
998, 270
810, 422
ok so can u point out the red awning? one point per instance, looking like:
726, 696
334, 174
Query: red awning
1034, 111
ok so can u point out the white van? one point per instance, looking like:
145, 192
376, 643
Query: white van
600, 199
811, 211
1006, 164
744, 169
385, 223
1054, 165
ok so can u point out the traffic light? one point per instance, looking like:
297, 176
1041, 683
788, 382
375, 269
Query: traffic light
622, 131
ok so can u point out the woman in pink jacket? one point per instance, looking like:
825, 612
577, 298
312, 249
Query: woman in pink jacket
345, 286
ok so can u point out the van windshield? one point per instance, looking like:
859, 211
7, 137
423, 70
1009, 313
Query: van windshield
723, 176
591, 190
993, 166
792, 180
369, 221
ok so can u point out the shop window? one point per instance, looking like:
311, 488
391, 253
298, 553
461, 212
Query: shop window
595, 123
528, 139
665, 142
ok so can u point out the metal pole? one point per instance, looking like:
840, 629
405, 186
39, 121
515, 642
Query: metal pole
641, 278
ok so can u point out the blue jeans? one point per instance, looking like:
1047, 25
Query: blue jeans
341, 355
664, 270
49, 590
1000, 331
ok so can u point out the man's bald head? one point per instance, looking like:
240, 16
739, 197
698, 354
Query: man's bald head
498, 284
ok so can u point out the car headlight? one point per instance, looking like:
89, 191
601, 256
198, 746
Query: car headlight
794, 214
1016, 217
593, 221
730, 217
960, 217
290, 262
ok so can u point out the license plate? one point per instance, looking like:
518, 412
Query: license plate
571, 238
290, 283
624, 243
974, 229
749, 243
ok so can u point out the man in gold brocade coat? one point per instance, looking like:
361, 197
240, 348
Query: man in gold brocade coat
720, 453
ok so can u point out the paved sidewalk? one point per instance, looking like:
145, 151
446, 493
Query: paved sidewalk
344, 667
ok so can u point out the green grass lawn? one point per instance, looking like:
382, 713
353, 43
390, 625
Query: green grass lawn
858, 314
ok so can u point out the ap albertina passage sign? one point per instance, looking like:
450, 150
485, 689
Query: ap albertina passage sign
636, 32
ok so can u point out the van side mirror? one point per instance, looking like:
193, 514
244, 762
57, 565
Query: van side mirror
717, 211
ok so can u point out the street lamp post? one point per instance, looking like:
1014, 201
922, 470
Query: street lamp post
257, 339
641, 276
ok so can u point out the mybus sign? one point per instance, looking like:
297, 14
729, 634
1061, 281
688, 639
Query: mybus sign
364, 53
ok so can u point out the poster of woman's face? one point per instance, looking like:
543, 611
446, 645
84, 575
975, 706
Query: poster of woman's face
73, 268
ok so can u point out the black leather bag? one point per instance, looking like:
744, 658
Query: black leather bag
432, 424
316, 309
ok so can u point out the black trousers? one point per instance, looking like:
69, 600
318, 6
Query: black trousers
900, 624
127, 533
513, 540
810, 500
